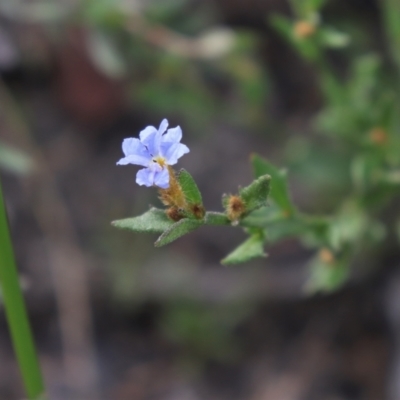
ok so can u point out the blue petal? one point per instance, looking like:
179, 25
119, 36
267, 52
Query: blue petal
132, 146
135, 152
149, 130
163, 126
161, 179
145, 177
150, 138
173, 151
173, 135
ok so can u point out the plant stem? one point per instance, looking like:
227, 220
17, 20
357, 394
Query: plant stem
16, 314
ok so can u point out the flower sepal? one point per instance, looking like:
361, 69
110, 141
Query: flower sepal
249, 199
183, 197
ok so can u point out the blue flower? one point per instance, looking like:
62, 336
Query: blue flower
155, 150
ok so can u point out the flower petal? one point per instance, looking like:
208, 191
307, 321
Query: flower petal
173, 151
156, 142
135, 153
133, 146
145, 177
151, 137
133, 159
173, 135
161, 179
163, 126
149, 130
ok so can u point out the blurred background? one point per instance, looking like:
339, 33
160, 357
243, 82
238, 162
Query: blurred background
115, 318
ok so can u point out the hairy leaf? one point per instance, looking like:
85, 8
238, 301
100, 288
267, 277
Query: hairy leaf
189, 187
177, 230
255, 195
253, 247
154, 220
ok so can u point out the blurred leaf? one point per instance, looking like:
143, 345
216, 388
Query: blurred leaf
110, 13
359, 105
330, 37
278, 227
105, 55
317, 234
253, 247
189, 187
362, 171
177, 230
284, 228
154, 220
216, 42
216, 218
391, 177
391, 12
315, 5
347, 227
302, 8
300, 33
327, 276
161, 10
279, 190
282, 24
364, 81
15, 160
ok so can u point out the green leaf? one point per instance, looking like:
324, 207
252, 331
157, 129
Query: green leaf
15, 312
177, 230
279, 189
327, 277
189, 187
286, 227
348, 227
154, 220
332, 38
282, 24
362, 87
255, 195
303, 8
253, 247
216, 218
262, 217
364, 170
315, 5
391, 13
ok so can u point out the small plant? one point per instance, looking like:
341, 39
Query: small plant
157, 150
360, 124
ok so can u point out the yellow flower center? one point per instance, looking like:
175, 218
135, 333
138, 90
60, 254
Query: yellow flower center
160, 161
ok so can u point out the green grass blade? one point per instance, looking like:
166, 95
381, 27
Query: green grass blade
16, 314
